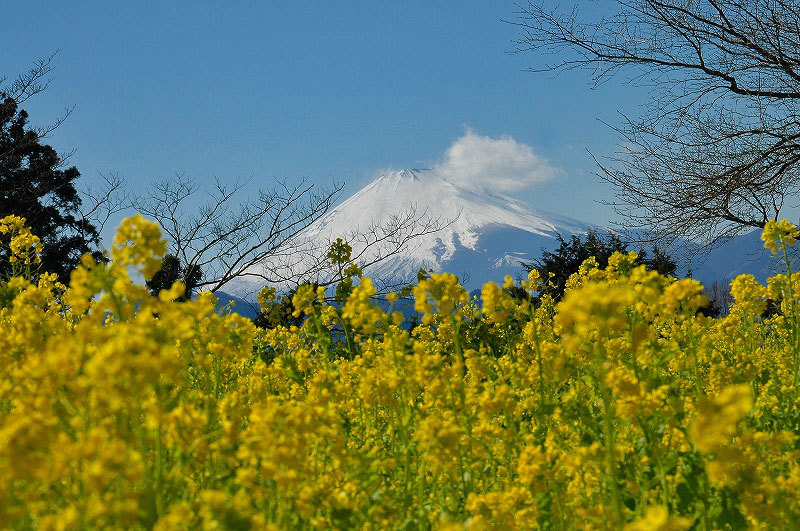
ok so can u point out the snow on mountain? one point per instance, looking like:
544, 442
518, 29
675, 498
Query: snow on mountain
486, 235
743, 254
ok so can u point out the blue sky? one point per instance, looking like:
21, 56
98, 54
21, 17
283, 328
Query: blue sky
325, 90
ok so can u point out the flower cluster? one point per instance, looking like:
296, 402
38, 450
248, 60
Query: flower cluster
777, 235
620, 407
24, 247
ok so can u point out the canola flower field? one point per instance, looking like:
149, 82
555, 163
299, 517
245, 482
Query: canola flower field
619, 407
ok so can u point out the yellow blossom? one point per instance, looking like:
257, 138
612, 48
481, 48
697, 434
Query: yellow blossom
778, 235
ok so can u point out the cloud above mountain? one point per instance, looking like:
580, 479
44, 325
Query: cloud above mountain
500, 163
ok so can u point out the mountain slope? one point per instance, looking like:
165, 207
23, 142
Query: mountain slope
485, 235
743, 254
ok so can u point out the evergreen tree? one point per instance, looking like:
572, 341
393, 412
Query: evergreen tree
35, 185
172, 270
558, 265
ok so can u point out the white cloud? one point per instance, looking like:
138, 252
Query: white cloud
500, 163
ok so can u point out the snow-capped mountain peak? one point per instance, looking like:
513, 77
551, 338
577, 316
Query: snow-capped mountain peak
420, 219
481, 235
470, 207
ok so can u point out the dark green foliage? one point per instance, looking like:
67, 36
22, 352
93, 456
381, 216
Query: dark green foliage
555, 267
171, 271
7, 294
34, 185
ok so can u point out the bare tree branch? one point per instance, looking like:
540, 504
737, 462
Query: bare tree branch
31, 83
225, 237
307, 263
264, 239
717, 149
100, 203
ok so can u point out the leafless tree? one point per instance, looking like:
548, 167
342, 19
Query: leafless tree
30, 83
226, 237
216, 234
307, 261
716, 151
100, 202
260, 240
719, 297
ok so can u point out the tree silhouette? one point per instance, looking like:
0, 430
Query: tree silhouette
35, 185
171, 271
555, 267
716, 150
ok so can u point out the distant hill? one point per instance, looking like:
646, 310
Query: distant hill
489, 235
227, 302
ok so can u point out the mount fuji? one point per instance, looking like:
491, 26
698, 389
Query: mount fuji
483, 235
